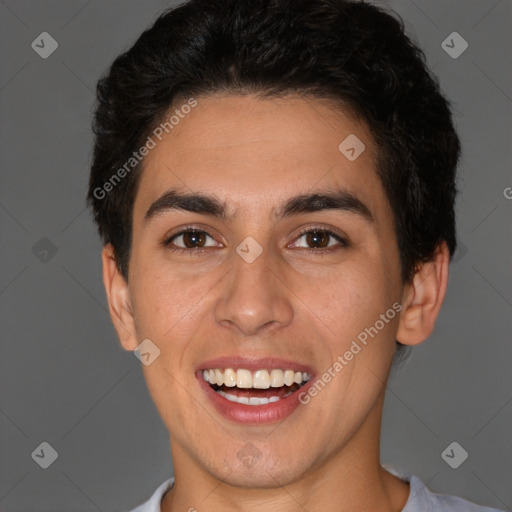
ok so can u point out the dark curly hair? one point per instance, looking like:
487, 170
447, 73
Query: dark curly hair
350, 52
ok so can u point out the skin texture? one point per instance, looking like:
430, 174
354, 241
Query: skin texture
253, 154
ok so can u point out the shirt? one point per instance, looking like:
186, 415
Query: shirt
421, 499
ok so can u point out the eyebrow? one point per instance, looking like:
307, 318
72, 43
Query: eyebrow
338, 199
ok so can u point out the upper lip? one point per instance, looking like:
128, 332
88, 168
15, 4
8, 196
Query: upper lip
254, 363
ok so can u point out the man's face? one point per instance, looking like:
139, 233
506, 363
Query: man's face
253, 293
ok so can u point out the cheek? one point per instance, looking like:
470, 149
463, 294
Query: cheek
358, 309
157, 296
347, 300
170, 310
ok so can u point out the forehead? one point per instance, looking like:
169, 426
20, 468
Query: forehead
252, 153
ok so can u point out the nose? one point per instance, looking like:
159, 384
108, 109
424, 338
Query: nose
254, 298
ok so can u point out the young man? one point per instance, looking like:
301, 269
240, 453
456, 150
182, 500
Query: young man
274, 183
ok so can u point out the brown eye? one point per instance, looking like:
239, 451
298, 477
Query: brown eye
193, 239
190, 239
318, 238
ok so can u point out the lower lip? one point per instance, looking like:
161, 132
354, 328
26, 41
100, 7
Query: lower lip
254, 414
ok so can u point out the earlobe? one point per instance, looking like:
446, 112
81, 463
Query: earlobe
422, 299
119, 301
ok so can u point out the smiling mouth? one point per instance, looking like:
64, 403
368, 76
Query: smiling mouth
258, 387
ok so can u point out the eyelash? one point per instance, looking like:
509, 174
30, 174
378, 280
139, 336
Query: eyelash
199, 251
321, 252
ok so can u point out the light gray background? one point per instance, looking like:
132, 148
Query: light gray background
64, 378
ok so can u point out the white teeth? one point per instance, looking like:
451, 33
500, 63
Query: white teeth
243, 379
230, 377
248, 401
288, 377
260, 379
277, 378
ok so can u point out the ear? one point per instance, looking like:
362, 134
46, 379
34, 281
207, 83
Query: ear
422, 299
119, 302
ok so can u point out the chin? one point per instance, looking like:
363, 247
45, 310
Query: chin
258, 471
